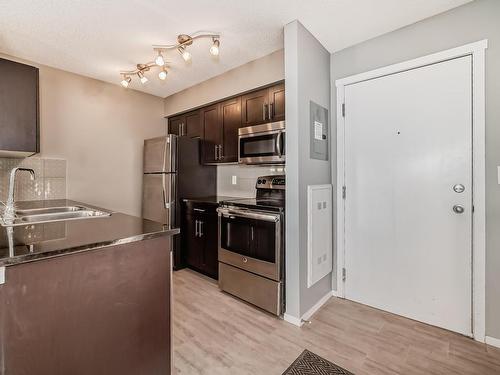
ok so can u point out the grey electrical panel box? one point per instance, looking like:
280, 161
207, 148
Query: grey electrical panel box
319, 131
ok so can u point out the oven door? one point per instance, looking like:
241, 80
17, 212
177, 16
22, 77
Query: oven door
251, 240
262, 147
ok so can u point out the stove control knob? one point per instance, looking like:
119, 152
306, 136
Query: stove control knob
264, 181
259, 182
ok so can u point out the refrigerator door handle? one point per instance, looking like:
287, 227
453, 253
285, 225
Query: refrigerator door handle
164, 193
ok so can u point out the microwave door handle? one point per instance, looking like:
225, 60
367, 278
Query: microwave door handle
278, 144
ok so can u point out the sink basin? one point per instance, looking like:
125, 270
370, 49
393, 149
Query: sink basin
53, 214
49, 210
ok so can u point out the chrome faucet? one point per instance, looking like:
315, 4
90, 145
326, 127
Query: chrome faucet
9, 212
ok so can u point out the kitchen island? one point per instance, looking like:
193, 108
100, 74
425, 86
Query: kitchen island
86, 296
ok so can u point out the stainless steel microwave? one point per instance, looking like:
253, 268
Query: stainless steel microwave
262, 144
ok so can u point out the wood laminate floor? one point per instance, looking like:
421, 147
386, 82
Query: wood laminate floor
215, 333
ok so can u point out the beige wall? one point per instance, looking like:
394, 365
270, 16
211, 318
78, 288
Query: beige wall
260, 72
99, 129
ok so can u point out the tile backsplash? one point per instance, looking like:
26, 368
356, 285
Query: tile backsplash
246, 176
49, 182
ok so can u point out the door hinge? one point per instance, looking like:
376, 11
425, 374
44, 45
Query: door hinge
343, 109
343, 274
344, 192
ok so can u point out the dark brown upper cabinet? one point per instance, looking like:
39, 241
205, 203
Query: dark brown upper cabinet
19, 109
254, 107
187, 124
217, 124
277, 102
230, 111
266, 105
212, 134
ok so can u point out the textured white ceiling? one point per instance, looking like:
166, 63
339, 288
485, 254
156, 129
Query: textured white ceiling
98, 38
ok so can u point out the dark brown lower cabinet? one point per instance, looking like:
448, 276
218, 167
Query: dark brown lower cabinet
199, 236
99, 312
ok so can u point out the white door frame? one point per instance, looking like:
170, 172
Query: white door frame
477, 51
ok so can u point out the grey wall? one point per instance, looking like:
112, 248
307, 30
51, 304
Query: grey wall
469, 23
307, 76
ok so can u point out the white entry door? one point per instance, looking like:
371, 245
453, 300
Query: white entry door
408, 225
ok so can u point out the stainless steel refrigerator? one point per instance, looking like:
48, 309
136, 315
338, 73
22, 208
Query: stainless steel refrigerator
173, 172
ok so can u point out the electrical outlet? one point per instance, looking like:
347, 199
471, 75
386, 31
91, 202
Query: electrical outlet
234, 180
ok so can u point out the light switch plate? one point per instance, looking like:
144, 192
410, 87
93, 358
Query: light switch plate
2, 275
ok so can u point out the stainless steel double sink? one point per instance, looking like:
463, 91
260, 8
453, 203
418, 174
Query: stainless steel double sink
53, 214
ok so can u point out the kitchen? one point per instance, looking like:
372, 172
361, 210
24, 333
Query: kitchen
207, 194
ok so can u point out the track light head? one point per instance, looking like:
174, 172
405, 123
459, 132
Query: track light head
163, 74
142, 77
184, 53
125, 81
160, 61
214, 50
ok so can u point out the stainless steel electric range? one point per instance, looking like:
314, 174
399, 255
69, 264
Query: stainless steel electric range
251, 245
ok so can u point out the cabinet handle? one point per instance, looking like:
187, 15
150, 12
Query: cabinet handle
201, 229
198, 210
264, 109
196, 228
271, 114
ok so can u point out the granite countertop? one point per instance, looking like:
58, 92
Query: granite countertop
27, 243
216, 199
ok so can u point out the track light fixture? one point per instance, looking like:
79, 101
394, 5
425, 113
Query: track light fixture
214, 50
159, 59
142, 77
163, 74
126, 81
183, 41
184, 53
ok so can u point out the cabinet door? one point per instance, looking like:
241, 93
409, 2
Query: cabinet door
193, 245
193, 125
19, 110
176, 125
231, 122
254, 108
209, 237
212, 133
277, 102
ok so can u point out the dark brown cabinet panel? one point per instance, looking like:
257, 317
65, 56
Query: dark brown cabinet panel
175, 125
19, 108
200, 237
230, 122
277, 102
193, 125
212, 133
187, 124
254, 107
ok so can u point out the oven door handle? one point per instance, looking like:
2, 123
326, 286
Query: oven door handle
232, 214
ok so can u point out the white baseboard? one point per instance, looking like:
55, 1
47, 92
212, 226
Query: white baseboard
335, 293
293, 320
492, 341
317, 306
299, 322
